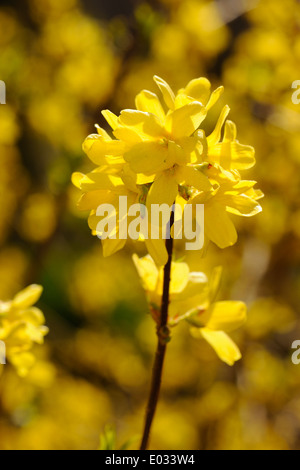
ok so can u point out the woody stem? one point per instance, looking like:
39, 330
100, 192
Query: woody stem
163, 336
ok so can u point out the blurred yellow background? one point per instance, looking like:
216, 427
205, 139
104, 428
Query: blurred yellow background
64, 61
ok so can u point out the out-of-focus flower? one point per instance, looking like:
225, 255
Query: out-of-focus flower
38, 218
22, 325
192, 298
9, 126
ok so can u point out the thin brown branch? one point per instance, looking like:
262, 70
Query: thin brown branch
163, 337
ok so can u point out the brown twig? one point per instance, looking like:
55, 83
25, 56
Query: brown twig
163, 338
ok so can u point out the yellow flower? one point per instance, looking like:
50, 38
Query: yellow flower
22, 325
192, 298
153, 141
229, 153
99, 188
186, 286
160, 156
230, 194
213, 320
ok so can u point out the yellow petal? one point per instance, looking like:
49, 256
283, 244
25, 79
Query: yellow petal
128, 135
97, 148
93, 221
157, 250
225, 348
200, 152
214, 97
182, 308
230, 132
243, 186
98, 180
27, 297
258, 194
242, 205
179, 277
255, 194
230, 154
148, 272
163, 191
111, 246
110, 165
129, 178
215, 136
182, 99
149, 103
166, 91
214, 282
192, 177
92, 200
226, 178
192, 298
102, 133
226, 316
77, 178
111, 118
148, 158
218, 226
183, 122
144, 179
199, 89
176, 154
191, 144
103, 197
145, 124
132, 180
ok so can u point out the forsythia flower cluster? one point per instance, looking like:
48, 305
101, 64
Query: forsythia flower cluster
22, 325
160, 154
